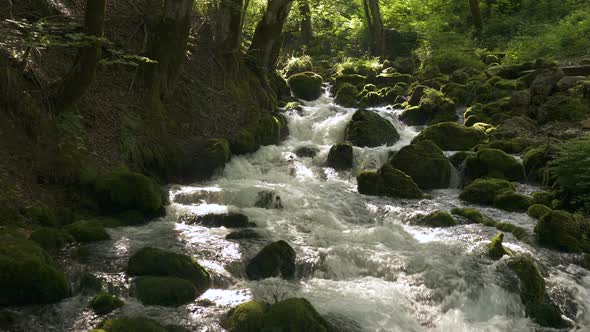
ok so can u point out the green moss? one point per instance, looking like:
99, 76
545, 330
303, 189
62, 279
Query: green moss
564, 231
306, 85
451, 136
354, 79
298, 65
532, 284
537, 211
458, 158
458, 93
158, 262
433, 108
545, 198
509, 200
340, 156
244, 142
274, 260
27, 274
438, 219
512, 146
124, 190
425, 163
165, 291
87, 231
563, 107
128, 324
51, 238
104, 303
493, 163
218, 152
484, 191
246, 317
388, 181
536, 159
42, 215
346, 95
474, 216
369, 129
495, 248
518, 232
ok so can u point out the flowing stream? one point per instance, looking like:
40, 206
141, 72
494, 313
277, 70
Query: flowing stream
360, 260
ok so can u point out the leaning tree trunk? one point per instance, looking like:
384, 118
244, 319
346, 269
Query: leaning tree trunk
476, 15
375, 24
229, 26
72, 87
267, 40
306, 28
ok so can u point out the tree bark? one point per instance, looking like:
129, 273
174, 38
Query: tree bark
476, 15
73, 86
375, 25
267, 40
229, 25
306, 27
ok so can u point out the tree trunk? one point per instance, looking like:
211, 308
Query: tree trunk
306, 28
76, 82
267, 41
229, 25
476, 15
375, 24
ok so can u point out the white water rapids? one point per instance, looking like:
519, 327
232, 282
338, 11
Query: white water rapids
360, 261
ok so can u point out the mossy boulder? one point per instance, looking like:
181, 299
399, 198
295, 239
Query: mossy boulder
88, 231
28, 275
512, 201
295, 314
388, 181
451, 136
340, 156
306, 85
132, 324
124, 190
547, 198
484, 191
164, 291
392, 79
493, 163
535, 161
42, 215
354, 79
495, 248
51, 238
104, 303
425, 163
458, 158
438, 219
537, 211
433, 108
474, 216
512, 146
563, 231
157, 262
274, 260
346, 95
217, 153
369, 129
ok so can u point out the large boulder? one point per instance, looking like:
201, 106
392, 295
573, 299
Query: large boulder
51, 238
564, 231
544, 84
425, 163
451, 136
104, 303
157, 262
388, 181
164, 291
340, 156
126, 190
275, 260
438, 219
306, 85
88, 231
538, 211
512, 201
434, 108
28, 275
346, 95
493, 163
484, 191
369, 129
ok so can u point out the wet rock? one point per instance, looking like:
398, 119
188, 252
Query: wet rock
346, 95
511, 201
536, 159
537, 211
51, 238
416, 95
544, 84
157, 262
474, 216
295, 314
243, 234
87, 231
131, 324
568, 82
493, 163
306, 85
340, 156
275, 260
28, 275
484, 191
268, 199
495, 248
388, 181
425, 163
307, 152
518, 126
586, 261
458, 158
369, 129
228, 220
121, 191
438, 219
164, 291
104, 303
546, 198
434, 108
450, 136
564, 231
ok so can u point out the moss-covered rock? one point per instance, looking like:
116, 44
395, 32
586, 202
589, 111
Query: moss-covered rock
27, 274
493, 163
165, 291
124, 190
458, 158
306, 85
88, 231
217, 153
484, 191
450, 136
536, 159
495, 248
425, 163
511, 201
563, 106
132, 324
274, 260
392, 79
158, 262
340, 156
474, 216
42, 215
388, 181
434, 108
369, 129
564, 231
104, 303
244, 142
354, 79
295, 314
518, 232
512, 146
51, 238
537, 211
346, 95
438, 219
458, 93
546, 198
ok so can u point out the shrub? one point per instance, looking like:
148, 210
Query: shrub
572, 169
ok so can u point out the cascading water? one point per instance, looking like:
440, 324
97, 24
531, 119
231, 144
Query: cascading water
360, 260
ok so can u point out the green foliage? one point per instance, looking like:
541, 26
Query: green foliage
572, 168
297, 65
